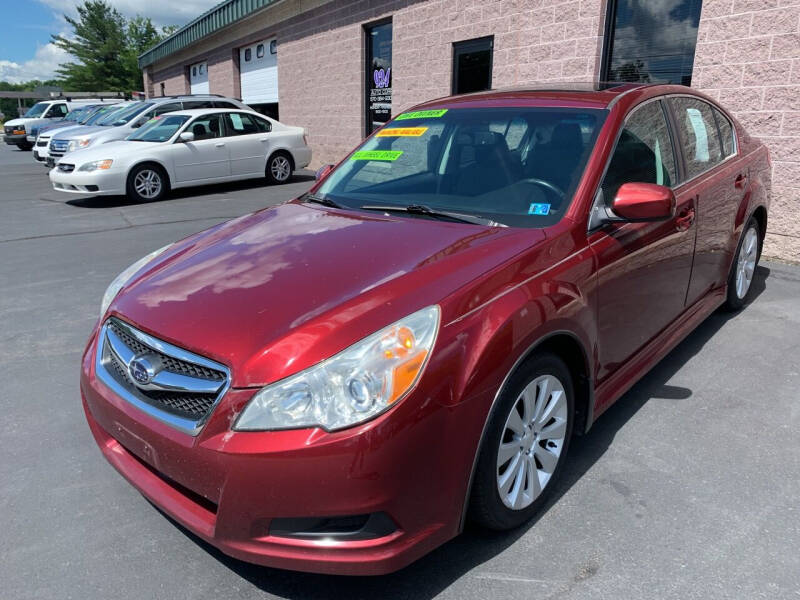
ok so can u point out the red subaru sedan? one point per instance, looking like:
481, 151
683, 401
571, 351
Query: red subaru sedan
337, 383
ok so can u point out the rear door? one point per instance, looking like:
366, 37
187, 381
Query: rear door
716, 182
644, 268
206, 157
248, 140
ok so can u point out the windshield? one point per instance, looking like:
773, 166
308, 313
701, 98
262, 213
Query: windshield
515, 166
159, 129
100, 114
37, 110
75, 115
125, 114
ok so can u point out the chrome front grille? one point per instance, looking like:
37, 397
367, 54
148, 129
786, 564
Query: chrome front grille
59, 146
66, 167
171, 384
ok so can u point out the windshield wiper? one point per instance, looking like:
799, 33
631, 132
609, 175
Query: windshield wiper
321, 200
421, 209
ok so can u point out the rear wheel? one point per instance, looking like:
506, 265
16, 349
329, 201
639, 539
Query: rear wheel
525, 445
744, 265
279, 168
147, 183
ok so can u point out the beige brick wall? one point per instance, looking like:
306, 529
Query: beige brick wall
748, 57
175, 80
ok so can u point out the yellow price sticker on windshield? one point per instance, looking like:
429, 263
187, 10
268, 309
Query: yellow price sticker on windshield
376, 155
402, 132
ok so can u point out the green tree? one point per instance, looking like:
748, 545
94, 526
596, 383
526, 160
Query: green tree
106, 47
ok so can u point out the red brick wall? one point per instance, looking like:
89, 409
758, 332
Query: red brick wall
748, 57
175, 80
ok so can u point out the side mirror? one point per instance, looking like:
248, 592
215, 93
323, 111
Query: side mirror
643, 202
323, 172
186, 136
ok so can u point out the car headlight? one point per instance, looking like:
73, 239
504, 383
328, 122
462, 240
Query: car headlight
77, 144
97, 164
113, 289
351, 387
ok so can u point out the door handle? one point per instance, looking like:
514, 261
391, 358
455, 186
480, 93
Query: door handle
220, 145
741, 181
686, 219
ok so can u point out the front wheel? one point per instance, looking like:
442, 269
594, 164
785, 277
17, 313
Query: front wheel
147, 183
744, 265
525, 445
279, 168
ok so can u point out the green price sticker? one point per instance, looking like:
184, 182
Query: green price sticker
376, 155
422, 114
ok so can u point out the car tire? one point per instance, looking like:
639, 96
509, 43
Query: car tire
25, 147
541, 393
279, 168
147, 183
740, 278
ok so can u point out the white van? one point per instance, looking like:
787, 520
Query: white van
16, 130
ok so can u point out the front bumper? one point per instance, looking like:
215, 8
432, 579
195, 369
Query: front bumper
227, 487
16, 140
97, 183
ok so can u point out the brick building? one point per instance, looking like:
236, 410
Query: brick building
341, 67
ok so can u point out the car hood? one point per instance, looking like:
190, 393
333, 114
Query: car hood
272, 293
58, 125
84, 131
21, 121
112, 150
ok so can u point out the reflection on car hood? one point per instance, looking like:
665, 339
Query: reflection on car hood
83, 131
274, 292
112, 150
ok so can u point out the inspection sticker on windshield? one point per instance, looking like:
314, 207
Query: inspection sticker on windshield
422, 114
402, 132
539, 209
376, 155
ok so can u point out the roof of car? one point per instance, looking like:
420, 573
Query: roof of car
193, 112
585, 95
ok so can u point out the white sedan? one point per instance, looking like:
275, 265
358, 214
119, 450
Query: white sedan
185, 148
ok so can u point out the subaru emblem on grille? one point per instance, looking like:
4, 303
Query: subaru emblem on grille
141, 369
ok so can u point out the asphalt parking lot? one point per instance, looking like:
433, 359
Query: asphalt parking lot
687, 488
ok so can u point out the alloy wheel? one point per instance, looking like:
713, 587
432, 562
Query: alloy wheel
280, 168
147, 183
746, 265
531, 442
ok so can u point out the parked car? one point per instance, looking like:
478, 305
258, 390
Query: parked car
17, 130
186, 148
40, 136
137, 115
336, 383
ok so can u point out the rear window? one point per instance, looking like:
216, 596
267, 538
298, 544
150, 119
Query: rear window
516, 166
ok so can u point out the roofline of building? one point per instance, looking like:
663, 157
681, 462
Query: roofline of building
220, 16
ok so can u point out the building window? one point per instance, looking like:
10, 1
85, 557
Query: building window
273, 47
650, 42
201, 69
260, 51
163, 93
194, 71
379, 75
472, 65
248, 54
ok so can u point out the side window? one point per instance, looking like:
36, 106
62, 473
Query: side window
56, 111
260, 51
248, 54
206, 127
198, 104
224, 104
698, 132
240, 124
644, 152
264, 126
165, 108
726, 133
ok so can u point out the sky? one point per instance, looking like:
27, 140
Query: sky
26, 51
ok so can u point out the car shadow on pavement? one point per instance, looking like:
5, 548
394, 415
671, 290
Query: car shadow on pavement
433, 573
190, 192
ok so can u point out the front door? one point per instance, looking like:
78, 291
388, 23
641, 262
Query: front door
206, 157
643, 268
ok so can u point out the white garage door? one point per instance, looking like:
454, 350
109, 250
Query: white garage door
198, 78
258, 65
